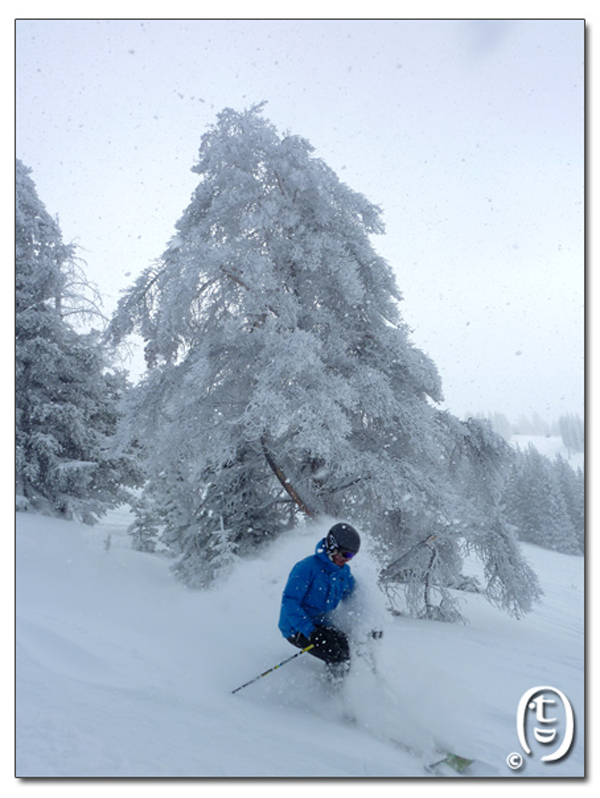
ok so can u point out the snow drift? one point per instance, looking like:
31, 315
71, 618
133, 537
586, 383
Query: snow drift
122, 671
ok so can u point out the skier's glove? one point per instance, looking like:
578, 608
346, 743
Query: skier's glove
376, 634
316, 637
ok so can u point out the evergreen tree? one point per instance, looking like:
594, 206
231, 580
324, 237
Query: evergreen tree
571, 432
571, 485
478, 466
281, 378
66, 399
537, 500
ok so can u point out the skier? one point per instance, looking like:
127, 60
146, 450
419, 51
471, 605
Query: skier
315, 587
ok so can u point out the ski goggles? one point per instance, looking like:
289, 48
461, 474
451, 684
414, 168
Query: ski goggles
347, 555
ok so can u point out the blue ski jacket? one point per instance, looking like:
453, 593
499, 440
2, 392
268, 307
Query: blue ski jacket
315, 587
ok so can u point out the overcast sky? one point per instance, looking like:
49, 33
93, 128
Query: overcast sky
468, 134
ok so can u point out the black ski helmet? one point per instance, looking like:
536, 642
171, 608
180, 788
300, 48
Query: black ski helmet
342, 537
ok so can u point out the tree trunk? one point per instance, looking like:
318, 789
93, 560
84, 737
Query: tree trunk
284, 481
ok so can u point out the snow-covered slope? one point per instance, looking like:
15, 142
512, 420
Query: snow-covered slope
122, 671
549, 446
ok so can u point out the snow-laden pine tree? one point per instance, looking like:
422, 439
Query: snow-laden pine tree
571, 484
572, 433
66, 399
281, 378
544, 500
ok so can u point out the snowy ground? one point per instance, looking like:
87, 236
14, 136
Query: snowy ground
549, 446
123, 672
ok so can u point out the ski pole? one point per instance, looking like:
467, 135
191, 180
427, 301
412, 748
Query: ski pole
274, 668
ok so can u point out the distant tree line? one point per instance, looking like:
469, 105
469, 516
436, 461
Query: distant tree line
569, 427
545, 500
572, 433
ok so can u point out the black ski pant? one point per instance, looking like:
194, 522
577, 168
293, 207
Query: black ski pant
330, 644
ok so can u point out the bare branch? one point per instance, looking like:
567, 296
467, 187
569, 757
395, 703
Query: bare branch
285, 482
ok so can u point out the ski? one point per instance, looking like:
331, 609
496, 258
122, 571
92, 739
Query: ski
457, 763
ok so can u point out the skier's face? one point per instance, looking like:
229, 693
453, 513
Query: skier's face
339, 558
